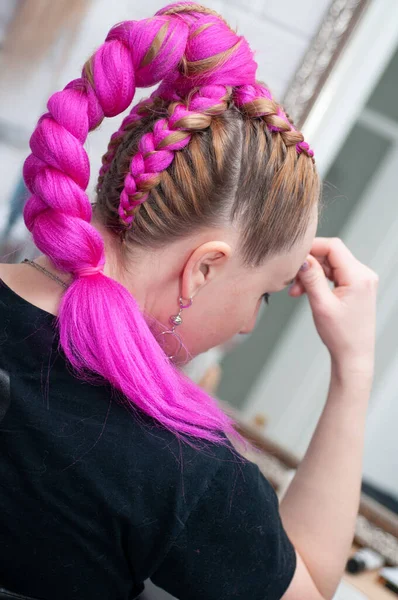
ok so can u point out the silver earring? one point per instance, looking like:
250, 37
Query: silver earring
175, 321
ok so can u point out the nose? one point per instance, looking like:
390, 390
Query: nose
246, 330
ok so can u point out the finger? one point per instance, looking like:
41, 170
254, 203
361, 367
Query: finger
326, 267
328, 272
297, 289
323, 261
339, 257
315, 284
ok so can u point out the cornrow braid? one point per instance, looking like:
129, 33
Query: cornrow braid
156, 149
256, 101
140, 110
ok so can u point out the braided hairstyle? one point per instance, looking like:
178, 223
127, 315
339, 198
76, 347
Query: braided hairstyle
210, 146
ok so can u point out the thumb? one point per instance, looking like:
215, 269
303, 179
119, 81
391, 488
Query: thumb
313, 279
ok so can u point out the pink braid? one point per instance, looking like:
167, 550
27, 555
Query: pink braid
209, 38
247, 95
58, 167
102, 329
156, 153
136, 114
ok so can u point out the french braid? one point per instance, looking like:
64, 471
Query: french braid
256, 101
156, 149
142, 109
58, 167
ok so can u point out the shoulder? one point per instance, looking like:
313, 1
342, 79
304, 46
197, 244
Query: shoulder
168, 470
11, 273
232, 542
169, 459
31, 287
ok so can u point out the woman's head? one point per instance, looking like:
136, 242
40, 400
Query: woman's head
209, 174
220, 225
234, 181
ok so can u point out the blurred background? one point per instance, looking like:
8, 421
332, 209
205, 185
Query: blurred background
333, 64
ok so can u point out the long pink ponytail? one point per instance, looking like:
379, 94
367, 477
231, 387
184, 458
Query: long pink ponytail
102, 330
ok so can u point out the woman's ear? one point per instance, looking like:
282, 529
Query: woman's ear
204, 264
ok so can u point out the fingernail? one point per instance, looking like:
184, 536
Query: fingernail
305, 266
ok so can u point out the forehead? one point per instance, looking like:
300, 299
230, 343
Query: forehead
282, 268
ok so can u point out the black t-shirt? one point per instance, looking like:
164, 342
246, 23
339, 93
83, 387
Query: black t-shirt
95, 499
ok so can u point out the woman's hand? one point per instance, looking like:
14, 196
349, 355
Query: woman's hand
345, 316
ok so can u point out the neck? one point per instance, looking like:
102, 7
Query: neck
142, 273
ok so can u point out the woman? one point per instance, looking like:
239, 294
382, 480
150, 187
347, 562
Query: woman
115, 468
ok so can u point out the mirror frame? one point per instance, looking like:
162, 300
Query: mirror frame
321, 57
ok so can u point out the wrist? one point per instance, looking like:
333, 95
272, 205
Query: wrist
354, 368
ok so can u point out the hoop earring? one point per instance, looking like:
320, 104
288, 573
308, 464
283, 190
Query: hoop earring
176, 320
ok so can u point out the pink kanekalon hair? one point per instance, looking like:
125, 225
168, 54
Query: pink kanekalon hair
155, 150
102, 331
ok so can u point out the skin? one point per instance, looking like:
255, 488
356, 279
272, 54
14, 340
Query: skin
227, 296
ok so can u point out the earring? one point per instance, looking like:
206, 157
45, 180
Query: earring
176, 320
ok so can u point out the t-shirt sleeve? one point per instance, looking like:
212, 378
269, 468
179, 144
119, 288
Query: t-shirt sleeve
233, 544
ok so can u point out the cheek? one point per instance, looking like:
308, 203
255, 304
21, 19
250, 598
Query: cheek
252, 318
260, 305
206, 328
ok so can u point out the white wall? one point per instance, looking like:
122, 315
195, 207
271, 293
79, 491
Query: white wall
380, 463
